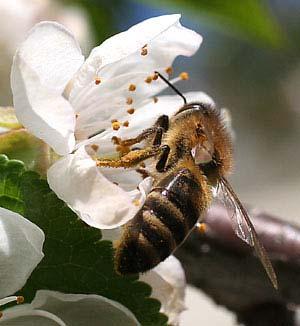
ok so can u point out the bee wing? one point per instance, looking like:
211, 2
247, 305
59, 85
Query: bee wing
243, 226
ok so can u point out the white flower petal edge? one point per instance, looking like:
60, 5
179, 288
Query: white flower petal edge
77, 180
168, 286
42, 67
69, 309
21, 244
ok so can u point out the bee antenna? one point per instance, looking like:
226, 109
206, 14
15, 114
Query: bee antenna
172, 86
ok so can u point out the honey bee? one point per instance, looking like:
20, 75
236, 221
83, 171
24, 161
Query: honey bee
193, 155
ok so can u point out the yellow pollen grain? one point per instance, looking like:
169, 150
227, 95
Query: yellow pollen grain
132, 88
202, 227
169, 70
126, 123
155, 99
184, 76
130, 111
116, 140
144, 50
136, 202
97, 80
20, 299
155, 76
149, 79
129, 100
94, 147
116, 125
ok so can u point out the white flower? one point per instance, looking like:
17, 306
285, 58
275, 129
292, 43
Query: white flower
21, 244
65, 102
50, 308
168, 286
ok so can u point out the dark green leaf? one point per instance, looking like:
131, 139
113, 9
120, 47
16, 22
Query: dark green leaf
76, 260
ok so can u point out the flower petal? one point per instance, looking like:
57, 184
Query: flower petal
78, 181
44, 112
119, 63
52, 52
146, 115
72, 309
168, 286
21, 244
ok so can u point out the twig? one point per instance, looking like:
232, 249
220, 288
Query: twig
225, 268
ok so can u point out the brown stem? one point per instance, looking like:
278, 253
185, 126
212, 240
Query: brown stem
225, 268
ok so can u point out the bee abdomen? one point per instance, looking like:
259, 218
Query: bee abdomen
167, 216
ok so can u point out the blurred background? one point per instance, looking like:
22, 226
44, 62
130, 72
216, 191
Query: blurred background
249, 62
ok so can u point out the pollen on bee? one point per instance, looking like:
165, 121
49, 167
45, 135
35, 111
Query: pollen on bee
144, 50
126, 123
95, 147
115, 125
130, 111
149, 79
202, 227
136, 202
132, 88
129, 100
97, 80
155, 99
184, 75
169, 70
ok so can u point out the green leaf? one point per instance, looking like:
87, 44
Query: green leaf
20, 145
250, 19
76, 259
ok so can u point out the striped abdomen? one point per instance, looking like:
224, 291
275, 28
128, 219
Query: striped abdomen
169, 213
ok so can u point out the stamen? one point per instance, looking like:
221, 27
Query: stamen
155, 76
116, 125
131, 111
169, 70
7, 300
97, 80
149, 79
129, 100
20, 299
116, 140
184, 76
95, 147
144, 50
155, 99
132, 88
126, 123
76, 115
136, 202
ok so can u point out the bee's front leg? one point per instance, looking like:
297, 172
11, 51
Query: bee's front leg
161, 125
131, 159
